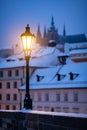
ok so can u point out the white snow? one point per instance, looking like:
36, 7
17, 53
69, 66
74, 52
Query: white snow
43, 57
78, 51
48, 113
49, 79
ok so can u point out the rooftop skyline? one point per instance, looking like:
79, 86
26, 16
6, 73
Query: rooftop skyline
16, 14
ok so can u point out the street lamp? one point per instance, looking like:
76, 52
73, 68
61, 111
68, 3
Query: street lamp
27, 38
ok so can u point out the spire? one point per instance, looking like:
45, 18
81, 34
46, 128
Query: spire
44, 34
38, 30
38, 38
64, 31
52, 24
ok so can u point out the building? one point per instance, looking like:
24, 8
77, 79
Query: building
51, 37
56, 83
61, 89
12, 74
57, 73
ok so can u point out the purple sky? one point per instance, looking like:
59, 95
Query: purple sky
16, 14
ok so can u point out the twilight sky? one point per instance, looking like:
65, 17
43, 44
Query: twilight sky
16, 14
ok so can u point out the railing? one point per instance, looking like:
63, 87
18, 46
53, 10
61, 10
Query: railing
38, 120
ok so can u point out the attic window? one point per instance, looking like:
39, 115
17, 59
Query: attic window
73, 75
39, 78
21, 59
8, 60
60, 76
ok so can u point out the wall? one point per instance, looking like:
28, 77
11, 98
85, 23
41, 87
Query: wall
14, 120
70, 105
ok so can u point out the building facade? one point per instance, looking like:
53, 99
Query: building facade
60, 89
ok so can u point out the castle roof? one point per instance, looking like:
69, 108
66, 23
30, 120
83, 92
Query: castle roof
75, 38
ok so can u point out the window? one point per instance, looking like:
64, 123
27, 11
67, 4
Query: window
0, 85
58, 97
8, 85
75, 97
39, 108
46, 97
7, 107
9, 73
1, 73
15, 84
46, 108
14, 96
8, 97
39, 96
65, 97
58, 109
16, 73
76, 110
14, 107
0, 96
66, 109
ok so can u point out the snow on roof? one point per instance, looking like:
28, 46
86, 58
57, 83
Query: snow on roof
48, 77
44, 57
50, 41
78, 51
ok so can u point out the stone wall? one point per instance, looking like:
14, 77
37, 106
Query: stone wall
18, 120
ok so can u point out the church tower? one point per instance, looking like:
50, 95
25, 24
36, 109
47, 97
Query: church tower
38, 38
64, 31
52, 32
45, 36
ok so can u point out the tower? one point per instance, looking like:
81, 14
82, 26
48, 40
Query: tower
38, 38
64, 31
52, 32
45, 37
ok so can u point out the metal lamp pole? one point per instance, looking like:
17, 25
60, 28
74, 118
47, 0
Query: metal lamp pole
27, 39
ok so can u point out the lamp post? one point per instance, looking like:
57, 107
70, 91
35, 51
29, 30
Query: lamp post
27, 39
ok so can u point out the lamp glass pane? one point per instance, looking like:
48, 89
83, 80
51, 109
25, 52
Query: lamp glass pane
27, 41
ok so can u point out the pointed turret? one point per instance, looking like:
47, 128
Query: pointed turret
38, 38
64, 31
45, 33
52, 24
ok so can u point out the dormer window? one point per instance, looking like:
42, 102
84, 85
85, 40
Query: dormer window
73, 75
60, 76
39, 78
8, 60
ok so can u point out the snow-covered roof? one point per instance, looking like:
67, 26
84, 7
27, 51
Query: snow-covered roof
48, 77
43, 57
50, 41
78, 51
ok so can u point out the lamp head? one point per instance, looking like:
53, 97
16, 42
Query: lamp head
27, 39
